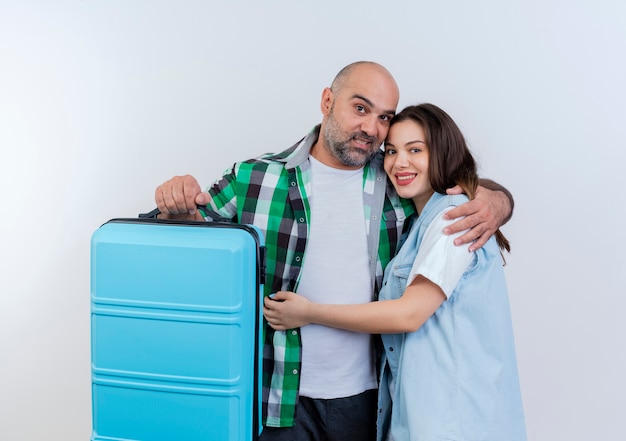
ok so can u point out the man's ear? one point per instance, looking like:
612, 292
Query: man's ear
327, 101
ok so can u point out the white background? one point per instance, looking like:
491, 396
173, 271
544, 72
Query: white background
100, 101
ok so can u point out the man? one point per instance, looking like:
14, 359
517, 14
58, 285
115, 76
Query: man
331, 223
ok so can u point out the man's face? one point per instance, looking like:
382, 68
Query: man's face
352, 149
358, 119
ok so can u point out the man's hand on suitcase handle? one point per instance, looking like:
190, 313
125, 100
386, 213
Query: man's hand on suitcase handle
179, 197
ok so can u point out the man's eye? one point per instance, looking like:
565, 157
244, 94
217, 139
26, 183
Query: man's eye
360, 108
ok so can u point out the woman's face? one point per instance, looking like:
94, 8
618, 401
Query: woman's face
406, 162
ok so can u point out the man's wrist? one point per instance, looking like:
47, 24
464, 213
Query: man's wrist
494, 186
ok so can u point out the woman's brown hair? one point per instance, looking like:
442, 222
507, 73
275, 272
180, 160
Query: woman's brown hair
451, 162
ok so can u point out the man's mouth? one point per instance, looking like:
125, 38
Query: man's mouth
363, 141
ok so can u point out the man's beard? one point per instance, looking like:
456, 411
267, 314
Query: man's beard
338, 143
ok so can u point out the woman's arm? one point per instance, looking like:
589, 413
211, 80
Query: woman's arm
420, 300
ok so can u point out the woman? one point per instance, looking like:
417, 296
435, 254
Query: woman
449, 369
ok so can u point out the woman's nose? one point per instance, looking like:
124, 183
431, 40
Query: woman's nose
401, 160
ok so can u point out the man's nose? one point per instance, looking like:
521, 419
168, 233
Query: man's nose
369, 125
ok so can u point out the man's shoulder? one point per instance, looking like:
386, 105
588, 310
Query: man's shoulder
255, 170
270, 158
288, 158
266, 161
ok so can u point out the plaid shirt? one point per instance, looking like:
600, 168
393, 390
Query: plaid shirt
272, 192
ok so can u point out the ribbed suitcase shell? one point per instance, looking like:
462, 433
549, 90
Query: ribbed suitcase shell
175, 331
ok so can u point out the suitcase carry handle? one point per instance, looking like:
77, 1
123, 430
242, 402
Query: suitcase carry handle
206, 211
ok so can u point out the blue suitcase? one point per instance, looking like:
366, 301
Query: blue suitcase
176, 331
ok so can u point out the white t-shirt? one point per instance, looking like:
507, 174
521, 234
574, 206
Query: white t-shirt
336, 363
438, 259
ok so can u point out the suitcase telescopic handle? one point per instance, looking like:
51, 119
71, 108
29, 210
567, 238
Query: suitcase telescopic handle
206, 211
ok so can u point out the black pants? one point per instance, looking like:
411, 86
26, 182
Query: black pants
340, 419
